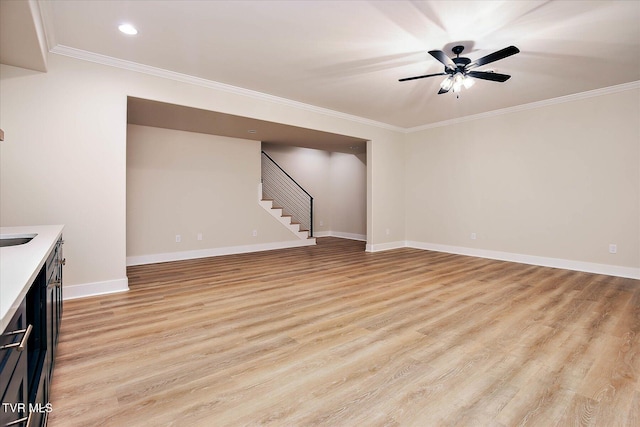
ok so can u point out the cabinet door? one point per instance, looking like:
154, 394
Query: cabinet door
54, 303
61, 263
15, 405
58, 292
51, 324
40, 406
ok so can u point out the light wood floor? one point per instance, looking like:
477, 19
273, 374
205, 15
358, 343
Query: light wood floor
333, 336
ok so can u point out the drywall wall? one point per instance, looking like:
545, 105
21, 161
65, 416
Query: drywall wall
385, 199
185, 183
64, 155
348, 181
560, 181
337, 182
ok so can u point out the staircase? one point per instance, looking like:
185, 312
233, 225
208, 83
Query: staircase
286, 200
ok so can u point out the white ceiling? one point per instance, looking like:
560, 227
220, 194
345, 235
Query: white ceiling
347, 56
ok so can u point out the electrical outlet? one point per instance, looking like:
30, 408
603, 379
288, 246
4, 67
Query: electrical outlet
473, 236
255, 233
178, 238
388, 231
199, 236
613, 248
321, 223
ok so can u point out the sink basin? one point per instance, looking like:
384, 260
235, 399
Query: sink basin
15, 239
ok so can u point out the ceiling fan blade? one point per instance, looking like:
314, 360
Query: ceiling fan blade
495, 77
442, 57
441, 91
422, 77
492, 57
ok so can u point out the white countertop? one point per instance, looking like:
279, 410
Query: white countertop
20, 265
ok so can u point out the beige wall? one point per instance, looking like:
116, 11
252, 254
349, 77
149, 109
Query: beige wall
385, 198
560, 181
64, 155
184, 183
348, 181
337, 182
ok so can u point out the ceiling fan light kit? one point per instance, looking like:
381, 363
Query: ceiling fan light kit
460, 70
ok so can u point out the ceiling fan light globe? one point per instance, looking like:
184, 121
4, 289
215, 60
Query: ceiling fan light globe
468, 82
447, 83
458, 80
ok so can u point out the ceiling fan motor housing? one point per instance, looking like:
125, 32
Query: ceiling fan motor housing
461, 62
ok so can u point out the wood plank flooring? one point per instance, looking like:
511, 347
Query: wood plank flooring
333, 336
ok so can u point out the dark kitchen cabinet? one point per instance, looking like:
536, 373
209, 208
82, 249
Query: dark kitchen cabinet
27, 358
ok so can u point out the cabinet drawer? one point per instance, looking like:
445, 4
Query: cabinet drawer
13, 369
10, 341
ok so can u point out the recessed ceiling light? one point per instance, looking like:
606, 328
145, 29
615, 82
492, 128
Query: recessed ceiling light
128, 29
252, 131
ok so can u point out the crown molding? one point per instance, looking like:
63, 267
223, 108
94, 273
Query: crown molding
210, 84
533, 105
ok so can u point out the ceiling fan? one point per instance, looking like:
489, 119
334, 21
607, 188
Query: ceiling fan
460, 70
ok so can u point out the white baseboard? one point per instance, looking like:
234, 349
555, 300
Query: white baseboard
340, 234
205, 253
96, 288
385, 246
588, 267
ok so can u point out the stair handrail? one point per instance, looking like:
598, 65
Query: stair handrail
288, 176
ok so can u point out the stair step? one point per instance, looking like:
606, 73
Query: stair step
286, 220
